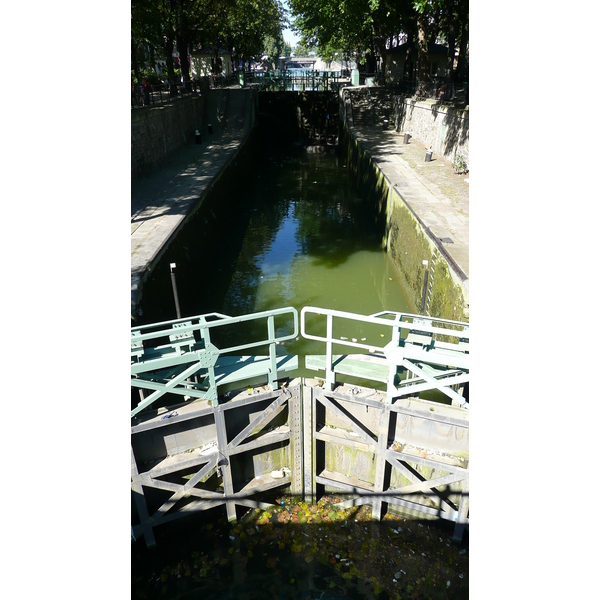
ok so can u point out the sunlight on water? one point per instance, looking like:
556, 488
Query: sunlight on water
295, 233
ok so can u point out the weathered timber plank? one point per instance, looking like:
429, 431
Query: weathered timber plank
351, 484
185, 412
436, 512
266, 439
358, 399
426, 484
418, 479
174, 487
356, 425
241, 400
339, 436
264, 417
166, 506
434, 413
262, 484
394, 455
176, 462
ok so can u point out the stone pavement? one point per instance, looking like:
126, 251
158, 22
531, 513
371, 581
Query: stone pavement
432, 190
162, 199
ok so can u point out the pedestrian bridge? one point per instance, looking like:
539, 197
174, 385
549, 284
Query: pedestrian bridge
227, 423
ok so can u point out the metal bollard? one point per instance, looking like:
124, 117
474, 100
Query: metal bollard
385, 124
173, 266
406, 137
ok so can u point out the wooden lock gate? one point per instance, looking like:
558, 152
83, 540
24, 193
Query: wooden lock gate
383, 448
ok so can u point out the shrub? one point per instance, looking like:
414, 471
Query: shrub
459, 164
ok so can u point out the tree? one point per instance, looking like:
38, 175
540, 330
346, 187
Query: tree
274, 47
365, 28
243, 26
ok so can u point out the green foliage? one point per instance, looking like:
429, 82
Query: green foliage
302, 49
244, 27
459, 164
148, 74
274, 47
363, 28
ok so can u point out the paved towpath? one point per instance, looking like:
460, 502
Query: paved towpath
433, 191
162, 199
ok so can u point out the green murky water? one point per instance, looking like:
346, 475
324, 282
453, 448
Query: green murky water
291, 230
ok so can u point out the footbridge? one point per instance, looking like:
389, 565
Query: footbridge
221, 417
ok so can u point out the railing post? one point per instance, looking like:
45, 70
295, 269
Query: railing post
272, 353
391, 388
330, 375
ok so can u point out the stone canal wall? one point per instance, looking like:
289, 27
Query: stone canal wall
443, 128
158, 131
405, 239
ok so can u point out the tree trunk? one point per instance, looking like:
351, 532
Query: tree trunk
170, 65
422, 55
451, 45
182, 48
461, 67
134, 61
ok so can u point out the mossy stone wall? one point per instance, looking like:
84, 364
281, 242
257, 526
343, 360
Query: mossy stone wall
404, 238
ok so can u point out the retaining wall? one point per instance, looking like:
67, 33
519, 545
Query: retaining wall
405, 240
158, 131
444, 128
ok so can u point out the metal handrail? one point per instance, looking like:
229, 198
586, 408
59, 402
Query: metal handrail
409, 352
184, 350
424, 323
201, 324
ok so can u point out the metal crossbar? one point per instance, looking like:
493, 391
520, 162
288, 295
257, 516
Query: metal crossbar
432, 353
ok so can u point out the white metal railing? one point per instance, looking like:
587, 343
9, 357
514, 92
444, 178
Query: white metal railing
424, 346
187, 340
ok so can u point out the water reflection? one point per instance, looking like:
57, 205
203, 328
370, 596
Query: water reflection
291, 232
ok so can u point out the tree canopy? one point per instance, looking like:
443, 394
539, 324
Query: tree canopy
365, 29
247, 28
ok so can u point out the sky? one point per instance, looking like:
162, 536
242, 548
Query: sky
288, 35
